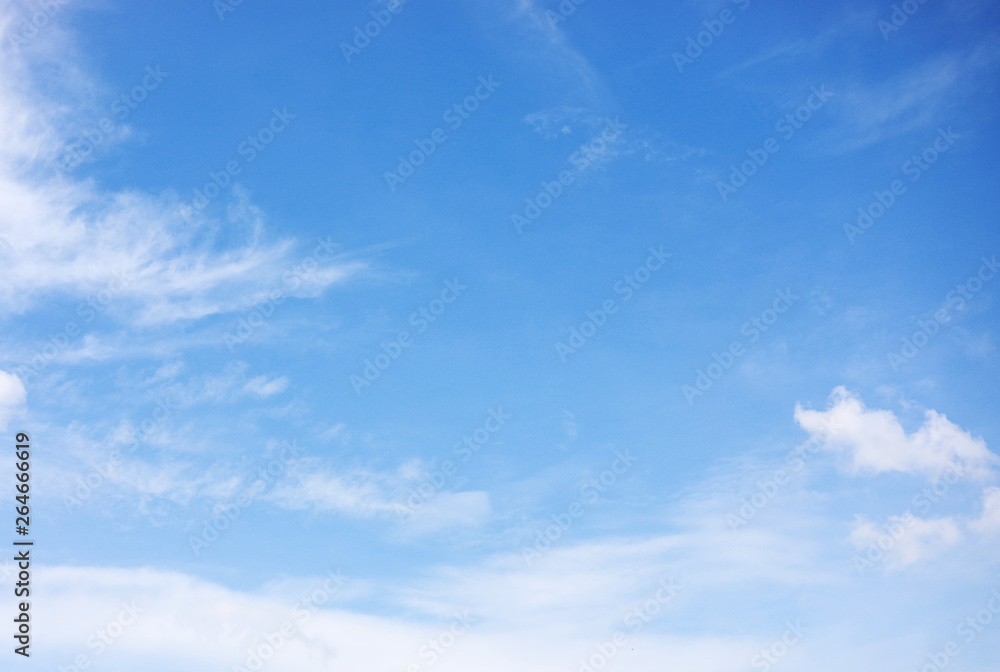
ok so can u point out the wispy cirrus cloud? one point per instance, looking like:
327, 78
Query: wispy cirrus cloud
69, 236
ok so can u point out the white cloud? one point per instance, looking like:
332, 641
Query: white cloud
183, 622
876, 442
364, 493
906, 539
917, 98
450, 509
557, 121
264, 387
12, 397
67, 235
554, 47
359, 493
989, 522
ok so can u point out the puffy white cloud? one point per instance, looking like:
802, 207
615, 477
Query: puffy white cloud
12, 397
876, 442
989, 522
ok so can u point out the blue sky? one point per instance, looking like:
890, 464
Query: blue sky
545, 315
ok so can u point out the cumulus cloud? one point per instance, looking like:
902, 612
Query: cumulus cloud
12, 397
989, 522
876, 442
